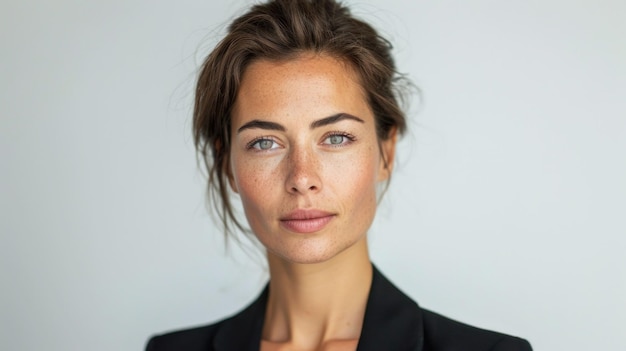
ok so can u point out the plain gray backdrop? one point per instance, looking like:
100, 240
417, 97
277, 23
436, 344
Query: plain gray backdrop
507, 209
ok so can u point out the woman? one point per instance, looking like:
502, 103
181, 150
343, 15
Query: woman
296, 111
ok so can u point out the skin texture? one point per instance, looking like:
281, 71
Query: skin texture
287, 159
302, 170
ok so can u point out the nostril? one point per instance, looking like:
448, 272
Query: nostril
297, 189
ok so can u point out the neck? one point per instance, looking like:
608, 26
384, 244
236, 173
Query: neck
310, 304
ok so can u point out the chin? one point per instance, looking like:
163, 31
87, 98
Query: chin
310, 252
303, 256
304, 260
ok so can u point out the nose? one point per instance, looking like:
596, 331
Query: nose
303, 172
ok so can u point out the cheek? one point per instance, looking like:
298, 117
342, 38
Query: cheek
256, 183
356, 177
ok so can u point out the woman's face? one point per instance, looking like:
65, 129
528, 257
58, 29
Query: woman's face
305, 158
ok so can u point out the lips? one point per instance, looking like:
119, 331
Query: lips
306, 221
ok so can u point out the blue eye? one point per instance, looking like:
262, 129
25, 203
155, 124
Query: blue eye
338, 139
263, 144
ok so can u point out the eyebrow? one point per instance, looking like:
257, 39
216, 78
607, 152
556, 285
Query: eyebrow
261, 125
315, 124
334, 119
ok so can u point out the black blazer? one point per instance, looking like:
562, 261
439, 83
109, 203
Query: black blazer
393, 322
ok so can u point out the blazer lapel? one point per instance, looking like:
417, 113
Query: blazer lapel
242, 332
392, 322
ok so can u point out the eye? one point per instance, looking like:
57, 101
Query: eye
338, 139
262, 144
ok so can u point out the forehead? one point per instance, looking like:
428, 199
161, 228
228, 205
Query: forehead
310, 85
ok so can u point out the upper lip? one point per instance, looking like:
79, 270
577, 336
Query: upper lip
302, 214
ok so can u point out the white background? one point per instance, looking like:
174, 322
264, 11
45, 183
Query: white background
507, 210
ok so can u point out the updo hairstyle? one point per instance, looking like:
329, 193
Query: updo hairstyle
282, 30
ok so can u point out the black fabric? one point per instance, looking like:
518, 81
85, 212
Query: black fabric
393, 322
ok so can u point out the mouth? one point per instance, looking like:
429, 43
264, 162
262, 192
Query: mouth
306, 221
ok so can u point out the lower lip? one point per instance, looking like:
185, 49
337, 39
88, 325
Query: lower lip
306, 225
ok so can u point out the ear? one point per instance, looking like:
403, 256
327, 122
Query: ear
228, 170
388, 153
226, 166
229, 174
232, 183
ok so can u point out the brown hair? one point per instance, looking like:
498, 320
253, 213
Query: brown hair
280, 30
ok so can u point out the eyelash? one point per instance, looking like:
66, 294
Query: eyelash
250, 145
351, 138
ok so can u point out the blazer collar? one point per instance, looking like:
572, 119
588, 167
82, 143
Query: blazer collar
392, 322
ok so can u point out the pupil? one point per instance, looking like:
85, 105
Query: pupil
336, 139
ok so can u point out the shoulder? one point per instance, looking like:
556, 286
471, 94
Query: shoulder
198, 338
442, 333
223, 335
393, 321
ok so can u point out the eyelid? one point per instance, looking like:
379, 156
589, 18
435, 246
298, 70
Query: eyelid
251, 143
351, 138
